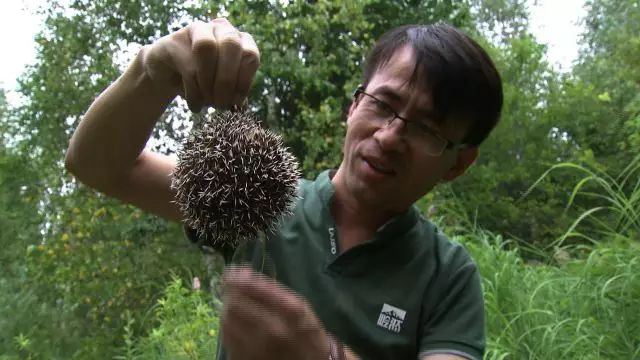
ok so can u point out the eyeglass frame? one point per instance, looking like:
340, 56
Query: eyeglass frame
449, 143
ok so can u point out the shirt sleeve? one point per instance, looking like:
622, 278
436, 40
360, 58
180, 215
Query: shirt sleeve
453, 317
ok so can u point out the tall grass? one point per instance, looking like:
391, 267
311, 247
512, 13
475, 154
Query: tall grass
584, 309
614, 209
580, 308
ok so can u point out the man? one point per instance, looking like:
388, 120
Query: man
360, 273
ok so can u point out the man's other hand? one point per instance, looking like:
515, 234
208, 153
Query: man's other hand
264, 320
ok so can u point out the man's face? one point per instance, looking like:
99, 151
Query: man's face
382, 166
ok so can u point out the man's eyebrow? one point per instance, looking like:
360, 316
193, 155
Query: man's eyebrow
388, 93
392, 95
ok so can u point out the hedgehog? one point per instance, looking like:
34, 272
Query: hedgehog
234, 179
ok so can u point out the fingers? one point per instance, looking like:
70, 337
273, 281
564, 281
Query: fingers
273, 297
192, 92
180, 50
248, 67
238, 316
205, 53
225, 62
263, 319
207, 63
230, 44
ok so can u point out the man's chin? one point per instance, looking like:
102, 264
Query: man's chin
371, 193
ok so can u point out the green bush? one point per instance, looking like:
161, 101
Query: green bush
187, 329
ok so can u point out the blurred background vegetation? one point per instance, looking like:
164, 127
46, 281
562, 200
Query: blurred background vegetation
551, 211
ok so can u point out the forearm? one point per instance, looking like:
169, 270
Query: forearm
115, 129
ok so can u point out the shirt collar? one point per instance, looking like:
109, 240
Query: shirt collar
398, 225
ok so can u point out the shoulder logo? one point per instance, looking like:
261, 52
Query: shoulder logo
391, 318
332, 240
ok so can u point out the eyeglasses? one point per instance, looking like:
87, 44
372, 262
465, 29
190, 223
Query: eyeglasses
418, 132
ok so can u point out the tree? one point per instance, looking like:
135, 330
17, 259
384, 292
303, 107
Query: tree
608, 78
501, 20
523, 145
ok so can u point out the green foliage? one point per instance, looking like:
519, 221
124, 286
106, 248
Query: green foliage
66, 278
609, 65
71, 291
187, 328
582, 309
20, 225
501, 20
523, 145
589, 117
618, 197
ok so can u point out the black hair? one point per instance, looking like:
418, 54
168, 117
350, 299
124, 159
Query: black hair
457, 72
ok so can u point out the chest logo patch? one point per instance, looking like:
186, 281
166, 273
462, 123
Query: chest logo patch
391, 318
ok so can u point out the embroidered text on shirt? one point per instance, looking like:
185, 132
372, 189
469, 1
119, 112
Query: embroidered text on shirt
332, 240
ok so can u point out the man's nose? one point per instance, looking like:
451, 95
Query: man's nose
391, 136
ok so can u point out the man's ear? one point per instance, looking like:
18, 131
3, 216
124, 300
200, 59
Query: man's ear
464, 159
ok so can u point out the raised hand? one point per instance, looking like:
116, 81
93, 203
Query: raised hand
209, 64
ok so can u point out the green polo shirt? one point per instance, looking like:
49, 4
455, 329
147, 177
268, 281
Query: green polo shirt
406, 293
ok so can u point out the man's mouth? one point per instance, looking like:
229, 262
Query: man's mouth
379, 166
